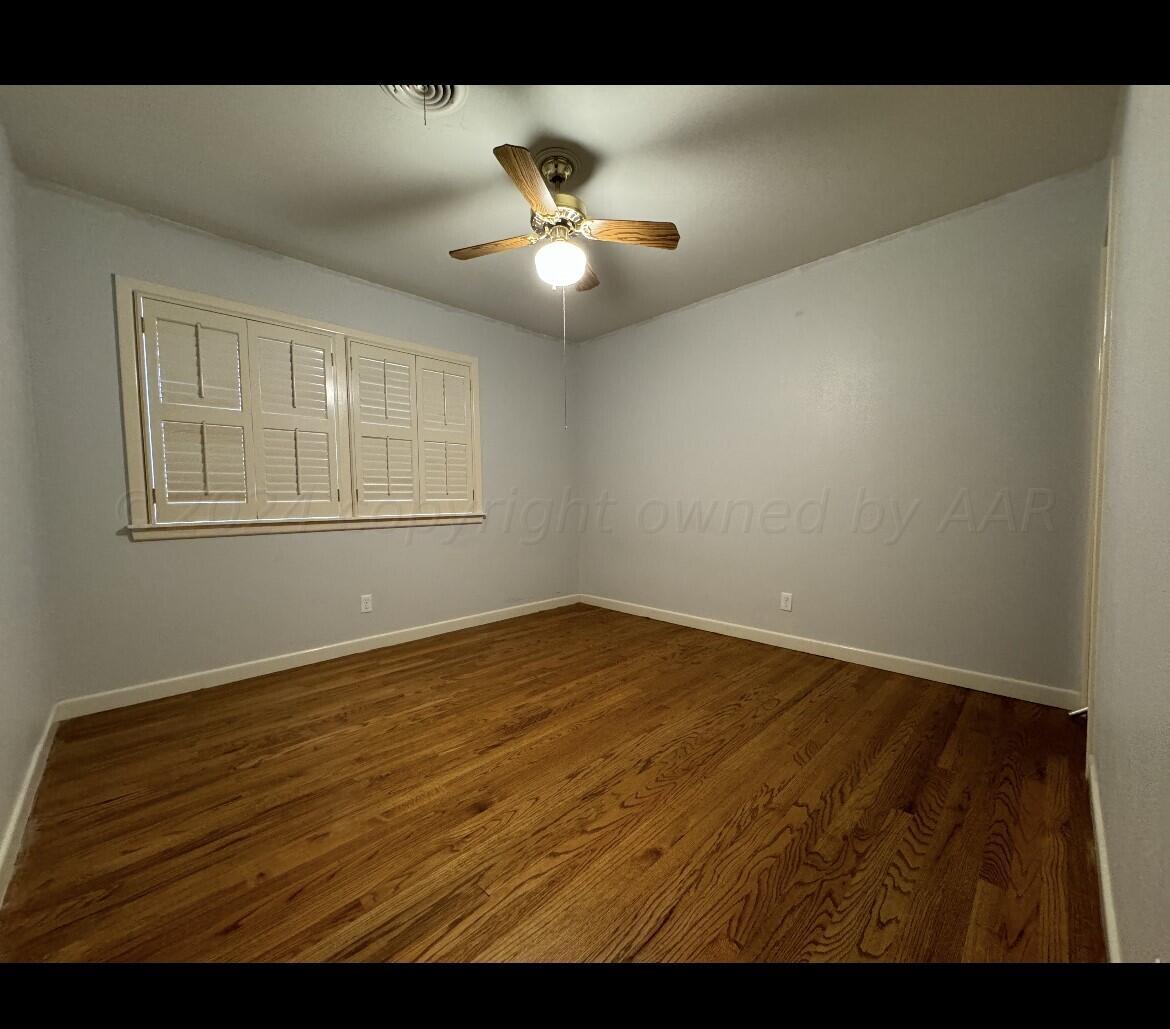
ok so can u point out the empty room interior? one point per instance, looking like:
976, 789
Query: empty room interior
585, 523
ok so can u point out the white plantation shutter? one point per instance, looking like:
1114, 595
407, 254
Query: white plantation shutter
294, 415
444, 437
238, 415
384, 439
200, 443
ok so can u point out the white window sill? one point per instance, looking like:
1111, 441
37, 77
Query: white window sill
194, 530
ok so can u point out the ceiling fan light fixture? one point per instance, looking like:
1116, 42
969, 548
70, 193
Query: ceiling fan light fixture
560, 263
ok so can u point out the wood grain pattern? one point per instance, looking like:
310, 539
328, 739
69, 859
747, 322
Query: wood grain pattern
588, 280
663, 235
577, 784
497, 247
522, 170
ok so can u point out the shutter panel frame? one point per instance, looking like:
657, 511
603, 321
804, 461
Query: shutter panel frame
447, 475
195, 420
294, 394
383, 429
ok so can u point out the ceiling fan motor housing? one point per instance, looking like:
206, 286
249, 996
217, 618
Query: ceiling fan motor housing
556, 168
570, 212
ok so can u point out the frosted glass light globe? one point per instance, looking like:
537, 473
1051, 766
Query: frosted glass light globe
560, 263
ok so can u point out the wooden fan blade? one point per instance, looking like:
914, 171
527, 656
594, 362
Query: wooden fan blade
663, 235
588, 280
522, 170
498, 247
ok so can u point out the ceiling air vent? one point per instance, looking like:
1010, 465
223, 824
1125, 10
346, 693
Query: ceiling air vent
433, 100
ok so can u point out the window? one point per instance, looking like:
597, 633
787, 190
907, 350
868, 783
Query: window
242, 421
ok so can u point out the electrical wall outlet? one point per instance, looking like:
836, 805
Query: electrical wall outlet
785, 601
367, 603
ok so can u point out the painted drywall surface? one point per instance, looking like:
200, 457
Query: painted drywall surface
140, 611
1131, 692
956, 356
24, 691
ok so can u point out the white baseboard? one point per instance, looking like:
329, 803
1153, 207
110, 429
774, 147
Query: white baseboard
127, 695
18, 820
137, 694
1108, 911
1018, 689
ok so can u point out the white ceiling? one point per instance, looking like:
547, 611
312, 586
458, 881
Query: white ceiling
759, 179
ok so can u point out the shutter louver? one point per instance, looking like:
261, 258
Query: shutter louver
431, 415
199, 364
458, 473
384, 440
203, 462
295, 422
445, 436
200, 434
296, 465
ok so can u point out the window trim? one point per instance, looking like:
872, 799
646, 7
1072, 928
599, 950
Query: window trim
128, 292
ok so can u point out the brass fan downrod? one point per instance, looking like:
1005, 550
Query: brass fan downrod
557, 169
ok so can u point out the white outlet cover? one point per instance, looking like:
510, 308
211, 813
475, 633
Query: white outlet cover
367, 603
785, 601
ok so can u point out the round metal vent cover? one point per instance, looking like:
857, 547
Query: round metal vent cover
437, 99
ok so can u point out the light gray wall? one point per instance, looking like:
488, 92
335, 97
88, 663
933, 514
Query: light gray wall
25, 695
1131, 691
957, 355
139, 611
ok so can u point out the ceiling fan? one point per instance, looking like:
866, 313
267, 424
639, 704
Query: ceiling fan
557, 217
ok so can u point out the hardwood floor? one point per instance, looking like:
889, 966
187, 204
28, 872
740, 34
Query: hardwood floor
572, 785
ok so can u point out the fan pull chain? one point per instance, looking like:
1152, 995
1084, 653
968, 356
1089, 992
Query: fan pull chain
565, 356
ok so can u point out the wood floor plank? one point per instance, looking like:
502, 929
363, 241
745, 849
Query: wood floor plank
577, 784
713, 903
596, 863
